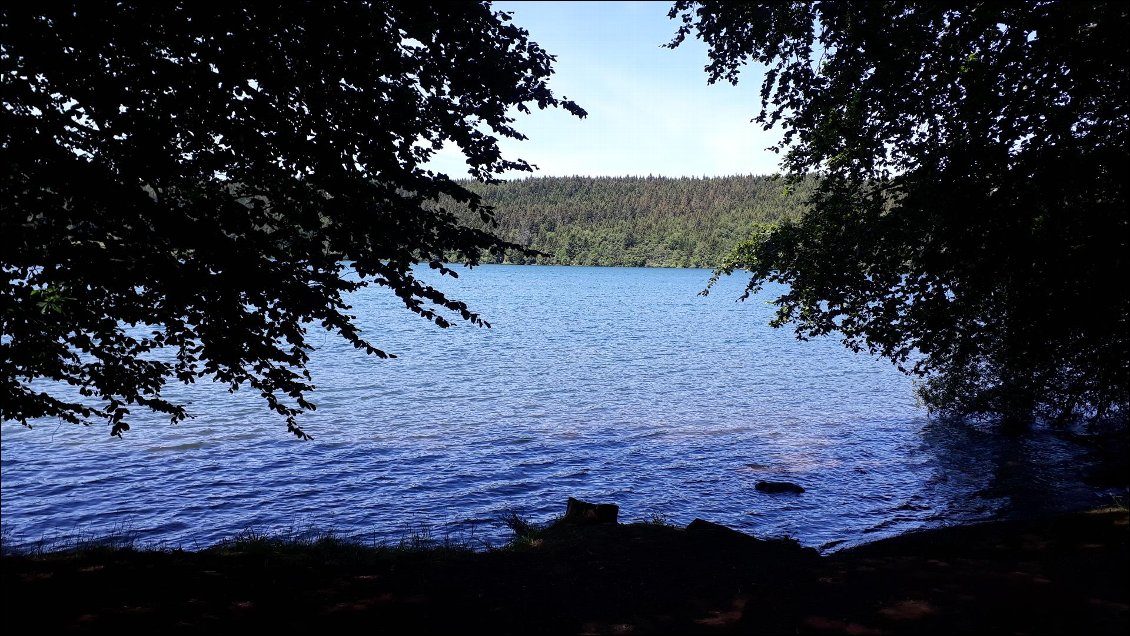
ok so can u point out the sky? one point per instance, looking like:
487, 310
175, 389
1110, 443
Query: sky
650, 109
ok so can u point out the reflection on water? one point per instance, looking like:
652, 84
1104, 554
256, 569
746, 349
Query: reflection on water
618, 385
1016, 475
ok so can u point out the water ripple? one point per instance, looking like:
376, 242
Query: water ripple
618, 385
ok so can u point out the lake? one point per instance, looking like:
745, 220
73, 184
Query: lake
613, 385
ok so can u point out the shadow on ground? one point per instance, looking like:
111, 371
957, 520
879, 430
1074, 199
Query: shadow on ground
1051, 576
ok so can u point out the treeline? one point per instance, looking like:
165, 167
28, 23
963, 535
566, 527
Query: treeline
635, 221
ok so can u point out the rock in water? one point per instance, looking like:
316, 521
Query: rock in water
778, 486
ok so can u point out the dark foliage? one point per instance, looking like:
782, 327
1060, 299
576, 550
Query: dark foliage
971, 218
202, 170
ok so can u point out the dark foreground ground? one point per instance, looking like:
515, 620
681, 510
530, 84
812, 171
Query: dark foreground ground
1062, 575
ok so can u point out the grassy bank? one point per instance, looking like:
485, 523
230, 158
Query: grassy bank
1064, 574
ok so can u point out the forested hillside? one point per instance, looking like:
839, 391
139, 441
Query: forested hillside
635, 221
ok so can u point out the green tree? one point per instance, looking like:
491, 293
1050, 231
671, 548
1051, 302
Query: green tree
634, 221
970, 221
205, 169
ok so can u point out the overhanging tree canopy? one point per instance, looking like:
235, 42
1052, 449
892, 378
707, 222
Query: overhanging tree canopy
971, 221
205, 169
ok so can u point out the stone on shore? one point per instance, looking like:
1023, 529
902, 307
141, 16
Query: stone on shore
577, 511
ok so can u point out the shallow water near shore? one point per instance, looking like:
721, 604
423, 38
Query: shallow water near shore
612, 385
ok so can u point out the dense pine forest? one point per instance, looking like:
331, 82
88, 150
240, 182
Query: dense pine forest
636, 221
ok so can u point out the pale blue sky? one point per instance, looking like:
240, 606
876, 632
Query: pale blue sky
650, 109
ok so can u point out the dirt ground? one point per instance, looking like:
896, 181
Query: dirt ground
1060, 575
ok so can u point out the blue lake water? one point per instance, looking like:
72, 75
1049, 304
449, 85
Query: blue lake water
612, 385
